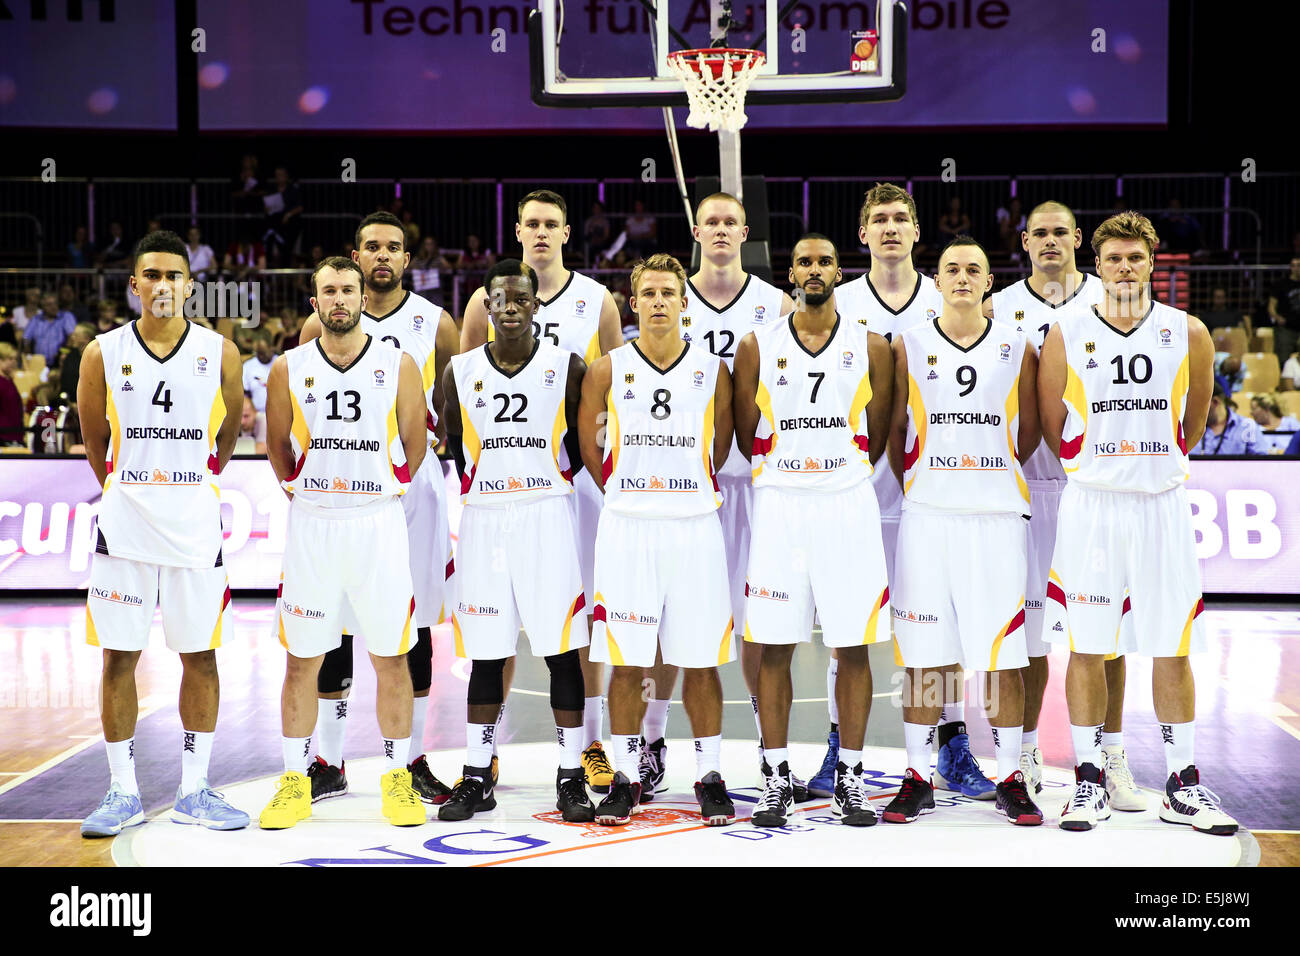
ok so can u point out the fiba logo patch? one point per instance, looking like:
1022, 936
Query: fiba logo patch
201, 365
760, 313
379, 378
417, 323
1004, 352
697, 379
930, 313
846, 360
548, 378
1166, 339
579, 306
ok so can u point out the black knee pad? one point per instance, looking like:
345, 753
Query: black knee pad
420, 660
335, 672
566, 681
486, 687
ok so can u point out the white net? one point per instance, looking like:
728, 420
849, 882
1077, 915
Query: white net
716, 81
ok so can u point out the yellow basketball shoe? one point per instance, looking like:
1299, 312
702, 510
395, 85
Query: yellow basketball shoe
402, 804
600, 775
291, 803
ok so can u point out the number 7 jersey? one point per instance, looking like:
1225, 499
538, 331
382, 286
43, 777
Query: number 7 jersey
344, 433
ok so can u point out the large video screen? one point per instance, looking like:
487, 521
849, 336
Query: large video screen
94, 64
1244, 512
463, 64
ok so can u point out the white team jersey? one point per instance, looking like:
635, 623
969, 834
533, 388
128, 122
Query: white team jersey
720, 330
659, 435
1025, 310
570, 318
255, 374
413, 328
161, 502
344, 431
513, 427
1124, 399
812, 426
963, 420
859, 302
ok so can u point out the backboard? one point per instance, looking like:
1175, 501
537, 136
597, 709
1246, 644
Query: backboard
587, 53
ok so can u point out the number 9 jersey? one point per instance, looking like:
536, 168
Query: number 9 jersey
344, 432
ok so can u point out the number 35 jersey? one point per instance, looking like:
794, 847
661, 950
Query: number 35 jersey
1124, 398
513, 426
659, 435
344, 432
161, 502
963, 421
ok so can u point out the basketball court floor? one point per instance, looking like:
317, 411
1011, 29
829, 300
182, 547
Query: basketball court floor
53, 770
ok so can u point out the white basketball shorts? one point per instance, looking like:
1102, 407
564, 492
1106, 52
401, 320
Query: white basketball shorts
961, 590
518, 565
661, 582
123, 594
819, 552
429, 542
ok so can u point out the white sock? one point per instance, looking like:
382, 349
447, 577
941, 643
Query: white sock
1180, 740
501, 728
1029, 739
593, 712
196, 751
627, 755
121, 764
1115, 741
478, 744
850, 758
1087, 745
1006, 747
708, 755
296, 752
919, 741
952, 713
419, 714
776, 756
395, 751
570, 741
331, 722
832, 708
656, 720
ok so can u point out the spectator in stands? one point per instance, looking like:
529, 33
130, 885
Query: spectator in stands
475, 258
595, 231
252, 431
954, 222
257, 368
1219, 316
8, 331
106, 317
1179, 231
1011, 223
283, 205
291, 331
31, 305
1290, 380
1226, 432
1267, 412
70, 302
412, 229
642, 231
245, 257
81, 251
247, 192
202, 259
70, 359
1229, 373
11, 403
116, 253
427, 266
1284, 311
48, 329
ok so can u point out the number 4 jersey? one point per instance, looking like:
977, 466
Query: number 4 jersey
161, 502
344, 432
1124, 399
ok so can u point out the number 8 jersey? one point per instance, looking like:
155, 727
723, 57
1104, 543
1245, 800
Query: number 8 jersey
1124, 400
659, 435
344, 430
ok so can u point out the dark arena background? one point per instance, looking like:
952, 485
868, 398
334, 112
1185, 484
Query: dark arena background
262, 133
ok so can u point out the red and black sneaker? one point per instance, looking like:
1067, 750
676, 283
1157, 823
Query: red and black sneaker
1013, 800
914, 798
327, 780
620, 803
716, 808
423, 782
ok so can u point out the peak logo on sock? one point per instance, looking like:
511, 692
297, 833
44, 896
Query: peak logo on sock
1166, 734
189, 742
489, 731
388, 749
340, 710
1096, 740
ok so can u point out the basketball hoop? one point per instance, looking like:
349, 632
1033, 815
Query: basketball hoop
716, 81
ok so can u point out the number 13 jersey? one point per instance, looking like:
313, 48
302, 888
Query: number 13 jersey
344, 432
659, 435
